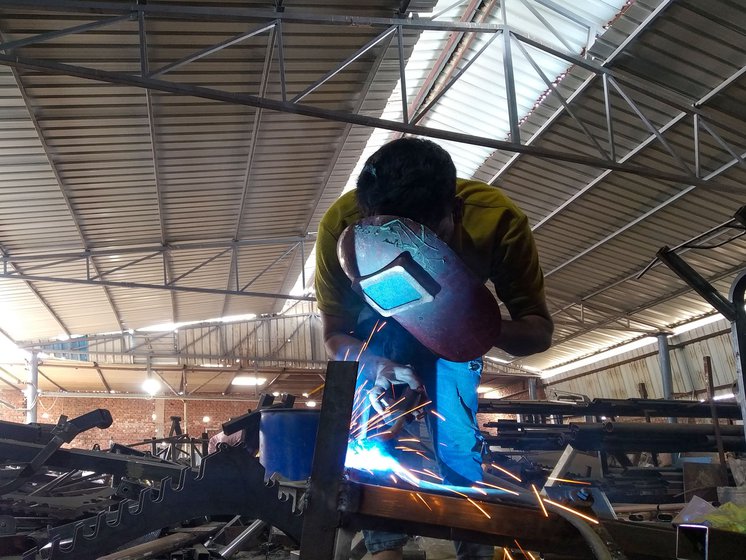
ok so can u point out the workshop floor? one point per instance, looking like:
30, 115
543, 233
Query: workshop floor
434, 549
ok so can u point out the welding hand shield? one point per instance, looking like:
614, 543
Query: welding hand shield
404, 271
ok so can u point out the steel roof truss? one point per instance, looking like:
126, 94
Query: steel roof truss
10, 45
102, 377
269, 266
335, 115
118, 268
199, 266
236, 39
551, 86
349, 60
423, 111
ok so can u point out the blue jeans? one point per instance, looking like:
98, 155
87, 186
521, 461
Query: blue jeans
457, 442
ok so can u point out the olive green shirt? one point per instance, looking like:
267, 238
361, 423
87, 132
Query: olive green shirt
493, 239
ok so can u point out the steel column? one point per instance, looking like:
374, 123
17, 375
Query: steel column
664, 360
32, 389
738, 326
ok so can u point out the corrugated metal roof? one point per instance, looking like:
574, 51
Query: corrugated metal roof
219, 195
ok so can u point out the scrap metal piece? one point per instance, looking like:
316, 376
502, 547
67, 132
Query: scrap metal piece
230, 482
64, 432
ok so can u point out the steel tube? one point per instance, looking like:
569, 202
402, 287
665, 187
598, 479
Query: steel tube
245, 535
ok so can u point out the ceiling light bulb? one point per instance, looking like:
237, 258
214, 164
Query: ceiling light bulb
151, 386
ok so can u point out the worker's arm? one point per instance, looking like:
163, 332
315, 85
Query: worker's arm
341, 345
527, 335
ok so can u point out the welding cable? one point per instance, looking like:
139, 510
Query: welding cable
592, 539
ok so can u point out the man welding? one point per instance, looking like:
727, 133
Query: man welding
415, 179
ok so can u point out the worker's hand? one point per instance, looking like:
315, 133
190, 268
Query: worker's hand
388, 373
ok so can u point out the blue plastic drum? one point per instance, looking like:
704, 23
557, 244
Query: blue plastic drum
287, 437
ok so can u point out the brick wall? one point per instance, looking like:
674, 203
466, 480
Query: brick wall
133, 418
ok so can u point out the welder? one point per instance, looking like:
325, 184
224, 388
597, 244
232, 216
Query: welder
415, 179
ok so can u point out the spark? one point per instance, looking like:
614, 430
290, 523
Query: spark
568, 480
526, 554
424, 502
317, 389
479, 490
427, 473
379, 434
409, 440
480, 508
410, 410
506, 554
497, 487
360, 407
431, 473
506, 471
365, 344
379, 419
382, 325
475, 504
536, 493
396, 481
421, 454
347, 354
443, 418
405, 448
569, 509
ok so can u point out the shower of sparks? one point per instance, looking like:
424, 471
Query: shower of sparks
359, 407
497, 487
443, 418
527, 554
536, 493
424, 502
383, 420
506, 471
570, 510
568, 480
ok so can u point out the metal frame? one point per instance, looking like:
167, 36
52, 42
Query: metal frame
274, 20
48, 261
732, 307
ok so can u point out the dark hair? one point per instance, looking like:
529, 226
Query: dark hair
409, 177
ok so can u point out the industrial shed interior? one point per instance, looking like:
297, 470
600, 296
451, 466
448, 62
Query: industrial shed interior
165, 391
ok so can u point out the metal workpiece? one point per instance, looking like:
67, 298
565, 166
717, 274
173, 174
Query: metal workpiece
321, 518
450, 517
612, 408
230, 482
64, 432
109, 463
